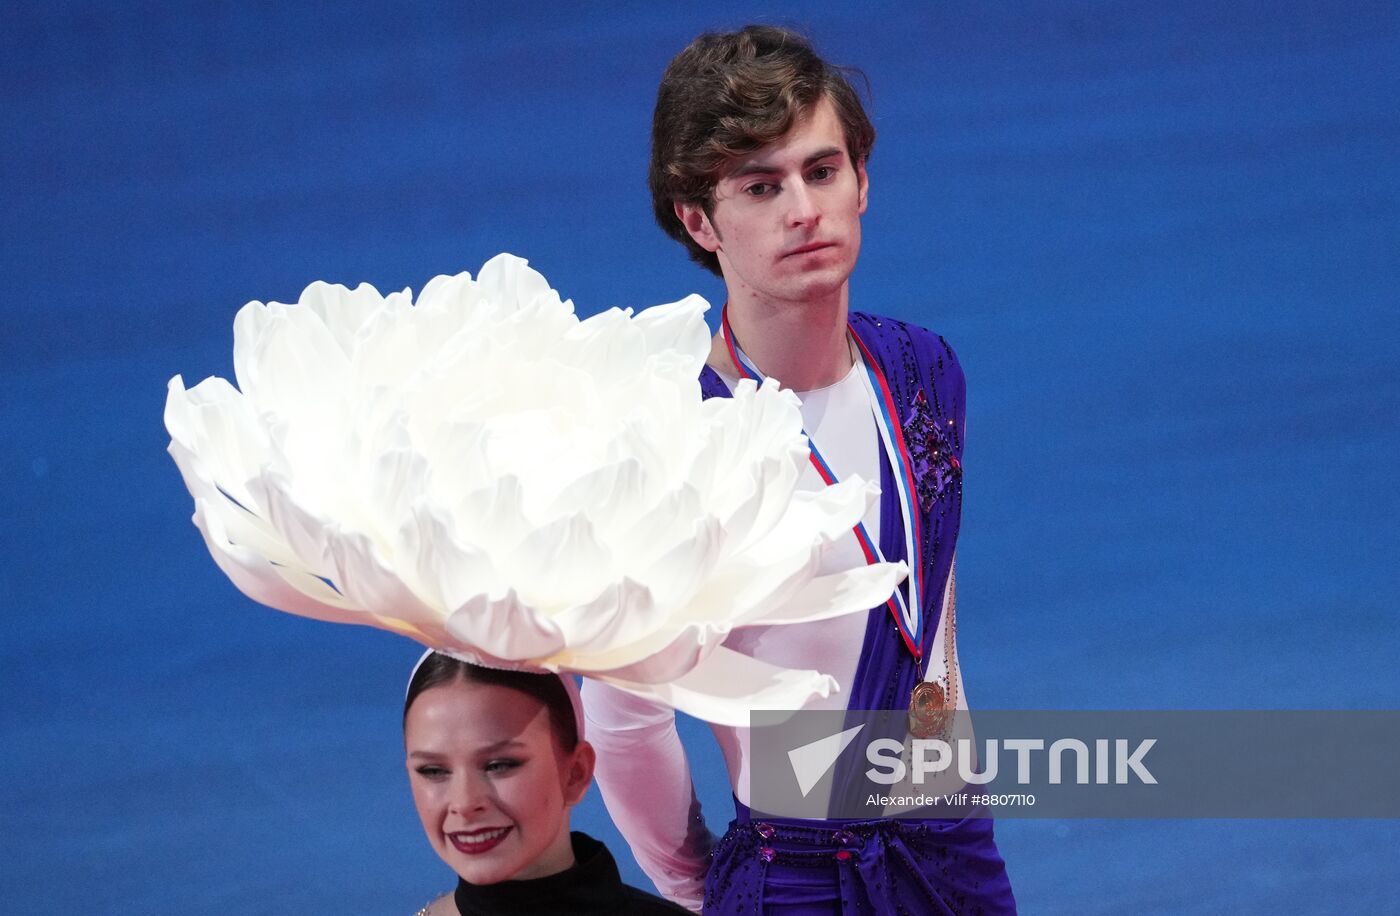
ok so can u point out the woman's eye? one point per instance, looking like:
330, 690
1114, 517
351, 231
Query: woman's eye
428, 771
501, 766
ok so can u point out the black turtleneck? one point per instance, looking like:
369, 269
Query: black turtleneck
590, 887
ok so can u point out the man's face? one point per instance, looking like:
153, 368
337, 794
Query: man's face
785, 223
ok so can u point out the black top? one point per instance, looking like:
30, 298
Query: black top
591, 887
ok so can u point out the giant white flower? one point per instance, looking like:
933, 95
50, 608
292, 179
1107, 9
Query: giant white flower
489, 475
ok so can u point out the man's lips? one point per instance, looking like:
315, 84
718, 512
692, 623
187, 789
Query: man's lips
475, 842
810, 247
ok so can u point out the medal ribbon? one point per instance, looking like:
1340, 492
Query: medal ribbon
907, 613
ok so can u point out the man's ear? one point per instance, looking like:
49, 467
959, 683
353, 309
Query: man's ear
578, 773
697, 222
864, 182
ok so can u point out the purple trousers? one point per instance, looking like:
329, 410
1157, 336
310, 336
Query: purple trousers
783, 867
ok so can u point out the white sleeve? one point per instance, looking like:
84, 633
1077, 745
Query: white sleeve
644, 776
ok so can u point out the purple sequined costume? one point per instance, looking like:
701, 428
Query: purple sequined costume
865, 868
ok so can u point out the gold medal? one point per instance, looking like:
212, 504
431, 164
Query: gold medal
928, 715
931, 708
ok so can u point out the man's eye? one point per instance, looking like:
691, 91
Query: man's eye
822, 173
758, 190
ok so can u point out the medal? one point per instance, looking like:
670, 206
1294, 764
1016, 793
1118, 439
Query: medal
931, 708
929, 716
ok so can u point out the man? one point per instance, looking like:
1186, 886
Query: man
759, 152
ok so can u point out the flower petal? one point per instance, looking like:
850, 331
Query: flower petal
558, 561
504, 629
260, 580
677, 329
621, 614
727, 686
830, 596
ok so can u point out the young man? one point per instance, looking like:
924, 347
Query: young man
759, 152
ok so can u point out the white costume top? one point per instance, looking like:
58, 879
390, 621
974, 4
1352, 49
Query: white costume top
642, 769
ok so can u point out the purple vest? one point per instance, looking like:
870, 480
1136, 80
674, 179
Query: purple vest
928, 388
795, 867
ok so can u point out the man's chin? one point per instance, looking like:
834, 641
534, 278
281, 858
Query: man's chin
819, 286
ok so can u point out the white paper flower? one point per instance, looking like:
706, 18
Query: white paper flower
489, 475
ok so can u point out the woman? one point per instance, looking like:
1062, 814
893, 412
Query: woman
495, 760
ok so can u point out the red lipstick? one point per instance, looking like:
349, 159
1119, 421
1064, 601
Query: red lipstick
475, 842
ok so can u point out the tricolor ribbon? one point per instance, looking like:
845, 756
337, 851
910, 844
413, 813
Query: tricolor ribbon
907, 612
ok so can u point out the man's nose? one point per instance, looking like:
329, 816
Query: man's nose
802, 206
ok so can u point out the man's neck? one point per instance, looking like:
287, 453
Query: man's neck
801, 344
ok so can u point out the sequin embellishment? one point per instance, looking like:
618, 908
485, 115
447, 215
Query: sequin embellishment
930, 440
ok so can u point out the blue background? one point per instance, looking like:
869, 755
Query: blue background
1164, 239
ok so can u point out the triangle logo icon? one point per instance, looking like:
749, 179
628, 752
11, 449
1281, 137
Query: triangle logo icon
810, 762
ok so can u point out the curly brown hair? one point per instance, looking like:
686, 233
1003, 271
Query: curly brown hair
728, 94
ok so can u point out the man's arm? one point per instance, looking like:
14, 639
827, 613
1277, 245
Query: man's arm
644, 776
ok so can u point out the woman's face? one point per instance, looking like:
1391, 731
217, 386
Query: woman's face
491, 783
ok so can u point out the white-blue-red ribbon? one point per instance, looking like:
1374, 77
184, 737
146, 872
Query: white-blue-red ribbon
907, 613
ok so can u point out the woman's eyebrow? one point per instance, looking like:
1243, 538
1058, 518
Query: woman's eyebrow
488, 749
502, 744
